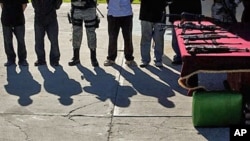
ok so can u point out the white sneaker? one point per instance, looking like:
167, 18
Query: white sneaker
109, 63
143, 64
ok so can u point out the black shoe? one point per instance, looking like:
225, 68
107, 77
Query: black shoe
177, 62
23, 63
54, 63
9, 63
94, 63
37, 63
74, 62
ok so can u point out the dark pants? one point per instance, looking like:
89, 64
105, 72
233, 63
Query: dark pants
114, 25
19, 32
52, 32
175, 46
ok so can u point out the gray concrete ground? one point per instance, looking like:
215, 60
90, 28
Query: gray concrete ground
83, 103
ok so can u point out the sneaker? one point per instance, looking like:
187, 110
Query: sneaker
143, 65
131, 63
9, 63
37, 63
158, 64
109, 63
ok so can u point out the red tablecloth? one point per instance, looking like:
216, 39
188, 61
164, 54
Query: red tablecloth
214, 62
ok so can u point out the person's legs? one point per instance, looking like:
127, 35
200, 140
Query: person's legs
21, 49
39, 44
127, 25
177, 57
77, 22
113, 32
8, 45
158, 37
146, 37
90, 20
52, 32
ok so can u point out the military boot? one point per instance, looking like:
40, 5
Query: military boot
75, 59
94, 61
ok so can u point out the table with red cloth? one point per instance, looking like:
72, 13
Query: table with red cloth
228, 62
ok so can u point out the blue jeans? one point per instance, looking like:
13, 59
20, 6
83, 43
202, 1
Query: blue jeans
151, 31
114, 25
19, 32
52, 32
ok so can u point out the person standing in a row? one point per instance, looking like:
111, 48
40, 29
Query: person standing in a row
46, 22
120, 15
13, 23
84, 11
152, 16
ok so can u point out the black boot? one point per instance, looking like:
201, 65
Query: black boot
75, 59
94, 61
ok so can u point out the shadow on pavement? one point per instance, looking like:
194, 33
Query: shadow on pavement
58, 83
21, 84
147, 85
105, 86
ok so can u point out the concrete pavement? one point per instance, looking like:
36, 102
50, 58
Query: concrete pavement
83, 103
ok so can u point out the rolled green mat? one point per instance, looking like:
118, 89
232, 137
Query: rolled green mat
216, 108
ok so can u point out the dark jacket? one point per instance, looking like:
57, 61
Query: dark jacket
179, 6
45, 10
153, 10
12, 12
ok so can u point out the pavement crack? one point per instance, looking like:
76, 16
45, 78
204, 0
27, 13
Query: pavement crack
69, 115
20, 129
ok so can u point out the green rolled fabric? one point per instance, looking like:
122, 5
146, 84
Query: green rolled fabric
216, 108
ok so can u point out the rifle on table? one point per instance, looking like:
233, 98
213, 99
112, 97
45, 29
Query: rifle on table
186, 16
212, 37
193, 26
203, 49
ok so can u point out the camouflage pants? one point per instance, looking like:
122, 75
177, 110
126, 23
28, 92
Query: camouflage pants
87, 16
223, 12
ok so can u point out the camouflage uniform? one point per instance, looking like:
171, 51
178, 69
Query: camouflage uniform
224, 10
84, 11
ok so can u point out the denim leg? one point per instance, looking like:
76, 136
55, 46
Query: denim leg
52, 32
127, 25
113, 31
39, 42
146, 32
8, 43
21, 47
158, 37
175, 46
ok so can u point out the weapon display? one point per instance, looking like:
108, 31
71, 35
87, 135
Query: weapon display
193, 26
185, 16
201, 49
206, 37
